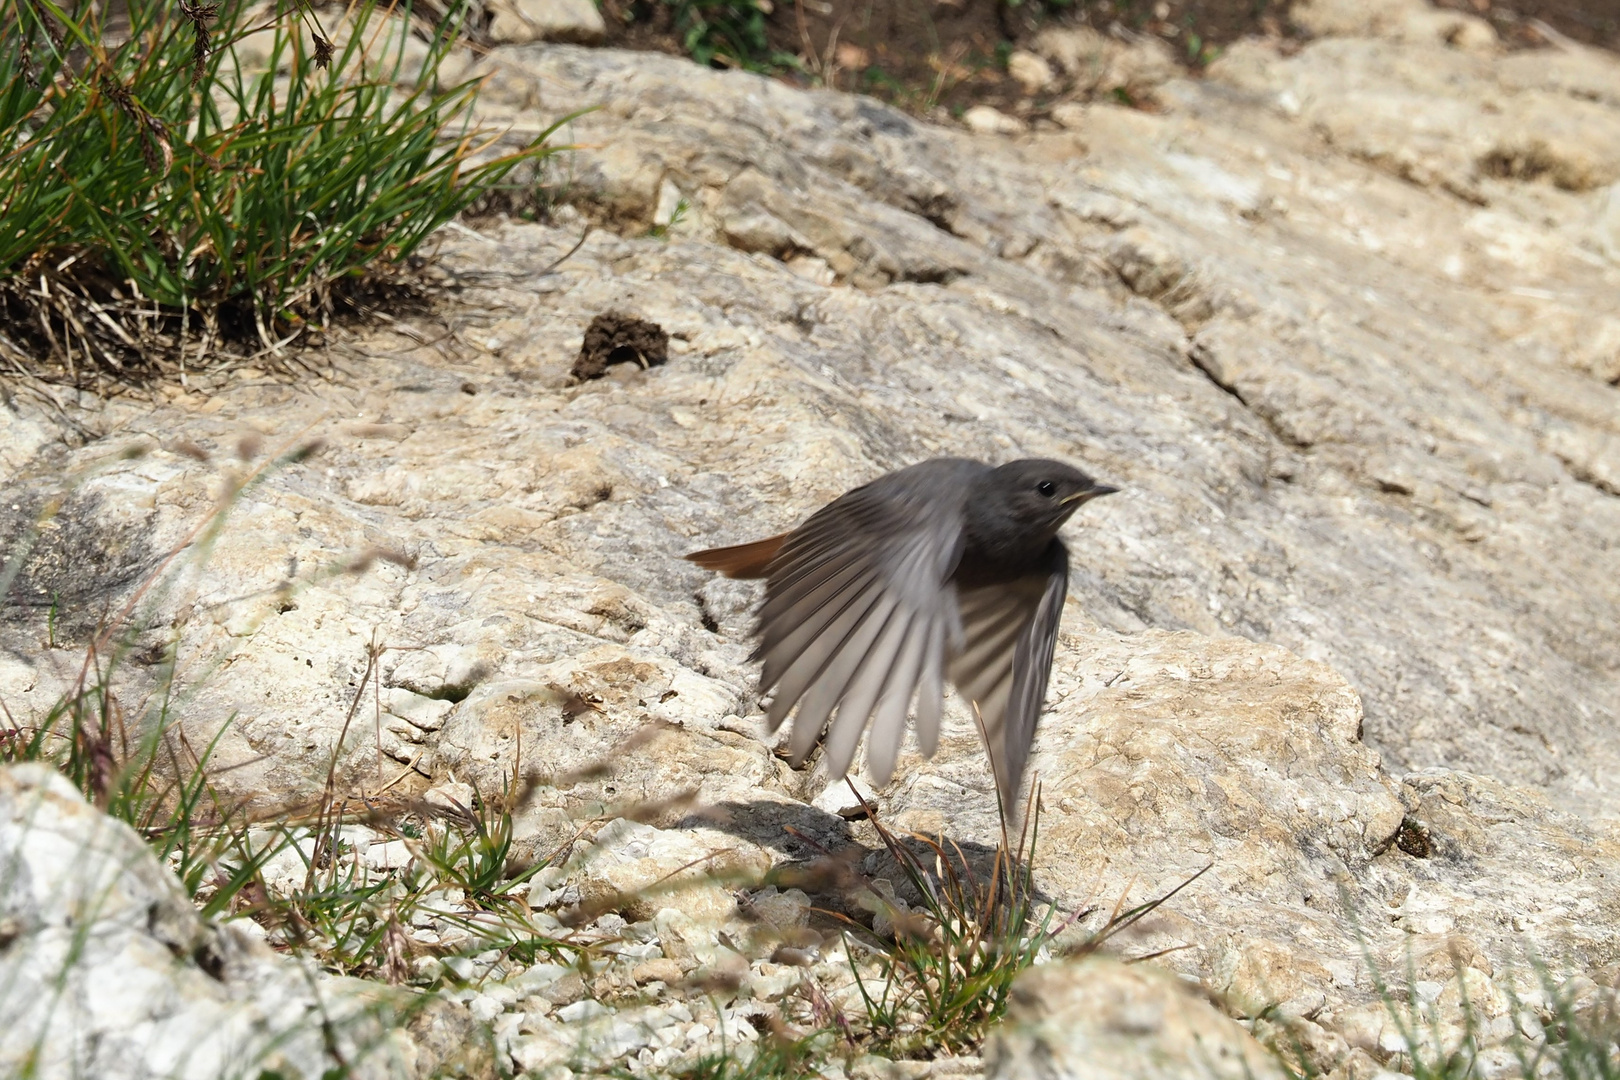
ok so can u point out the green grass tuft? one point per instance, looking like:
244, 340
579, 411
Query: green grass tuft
945, 968
160, 197
728, 33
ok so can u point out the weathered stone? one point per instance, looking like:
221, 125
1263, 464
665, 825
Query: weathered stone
108, 970
1030, 71
1098, 1019
1396, 20
641, 870
781, 910
1401, 104
848, 798
987, 120
517, 21
661, 969
1095, 64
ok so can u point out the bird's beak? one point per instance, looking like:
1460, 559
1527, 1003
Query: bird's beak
1095, 492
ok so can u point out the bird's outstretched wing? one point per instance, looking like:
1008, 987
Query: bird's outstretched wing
1009, 631
858, 614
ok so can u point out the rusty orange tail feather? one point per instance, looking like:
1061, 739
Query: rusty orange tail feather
743, 560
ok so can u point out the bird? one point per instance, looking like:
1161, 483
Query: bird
947, 569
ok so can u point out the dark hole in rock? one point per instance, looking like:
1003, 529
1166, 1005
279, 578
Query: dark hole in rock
616, 338
152, 654
209, 959
1414, 839
1529, 162
451, 692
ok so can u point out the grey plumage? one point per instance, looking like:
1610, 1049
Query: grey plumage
947, 569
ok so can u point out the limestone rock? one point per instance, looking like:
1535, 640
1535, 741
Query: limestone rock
517, 21
1395, 100
1606, 226
640, 871
1030, 71
986, 120
1069, 114
1098, 1020
108, 970
1398, 20
1332, 466
1164, 754
1096, 65
839, 798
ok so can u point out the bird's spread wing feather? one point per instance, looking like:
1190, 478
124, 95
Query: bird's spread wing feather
1009, 633
858, 613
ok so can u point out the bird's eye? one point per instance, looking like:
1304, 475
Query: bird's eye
1047, 488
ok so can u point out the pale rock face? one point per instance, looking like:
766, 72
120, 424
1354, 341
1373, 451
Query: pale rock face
654, 869
1163, 754
1098, 65
1606, 228
1402, 106
985, 120
22, 435
1030, 71
1099, 1019
1394, 20
1339, 323
518, 21
847, 798
108, 971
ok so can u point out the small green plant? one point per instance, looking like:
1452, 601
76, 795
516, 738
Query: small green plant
727, 33
949, 968
163, 197
873, 79
471, 851
945, 973
678, 215
353, 918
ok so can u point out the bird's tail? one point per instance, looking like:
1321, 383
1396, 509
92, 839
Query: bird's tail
742, 561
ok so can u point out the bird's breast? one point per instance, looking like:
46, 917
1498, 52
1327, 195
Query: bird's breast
980, 566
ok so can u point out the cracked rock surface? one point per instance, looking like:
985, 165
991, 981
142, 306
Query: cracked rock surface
108, 971
1344, 325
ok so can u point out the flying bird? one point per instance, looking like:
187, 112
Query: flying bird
949, 569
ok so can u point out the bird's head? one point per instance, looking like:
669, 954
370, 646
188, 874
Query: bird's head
1040, 494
